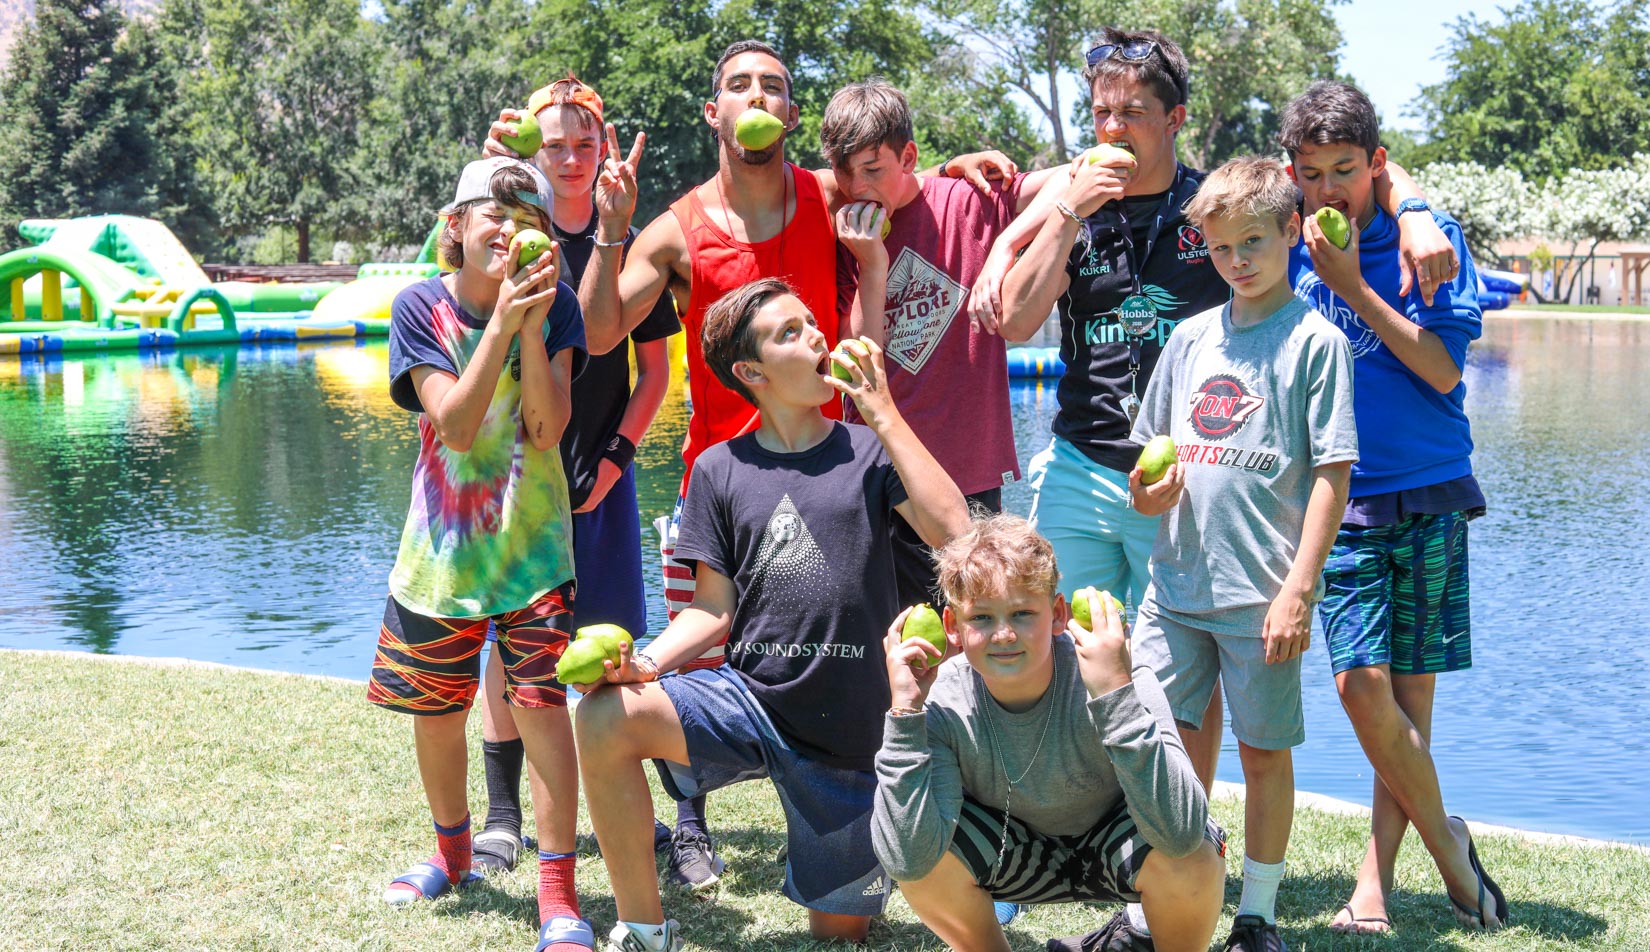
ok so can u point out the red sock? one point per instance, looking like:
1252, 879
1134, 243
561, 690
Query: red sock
557, 897
452, 844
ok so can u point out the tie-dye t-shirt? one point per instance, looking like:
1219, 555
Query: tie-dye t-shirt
490, 530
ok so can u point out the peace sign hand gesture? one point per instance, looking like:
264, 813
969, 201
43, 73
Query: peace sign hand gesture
616, 187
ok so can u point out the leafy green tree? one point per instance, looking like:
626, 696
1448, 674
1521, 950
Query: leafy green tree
276, 102
80, 97
448, 68
1555, 85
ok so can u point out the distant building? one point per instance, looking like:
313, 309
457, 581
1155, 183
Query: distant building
1617, 274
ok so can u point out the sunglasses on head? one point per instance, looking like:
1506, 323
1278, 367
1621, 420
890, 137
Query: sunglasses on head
1134, 51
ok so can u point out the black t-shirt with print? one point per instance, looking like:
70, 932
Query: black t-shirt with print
1177, 276
804, 537
600, 395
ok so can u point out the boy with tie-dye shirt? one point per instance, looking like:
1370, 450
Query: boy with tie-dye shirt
485, 355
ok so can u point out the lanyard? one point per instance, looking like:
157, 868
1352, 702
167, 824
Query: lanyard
1137, 314
1163, 209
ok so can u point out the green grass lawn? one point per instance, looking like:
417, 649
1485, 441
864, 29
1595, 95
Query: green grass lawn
150, 807
1537, 307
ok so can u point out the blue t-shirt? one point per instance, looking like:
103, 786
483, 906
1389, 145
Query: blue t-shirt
489, 530
1409, 434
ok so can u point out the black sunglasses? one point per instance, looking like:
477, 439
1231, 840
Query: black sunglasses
1134, 51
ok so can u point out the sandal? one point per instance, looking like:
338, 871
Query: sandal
1500, 915
428, 881
497, 849
1352, 927
566, 929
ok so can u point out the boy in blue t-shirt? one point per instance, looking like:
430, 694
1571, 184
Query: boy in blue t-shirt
787, 530
1257, 396
1395, 612
485, 356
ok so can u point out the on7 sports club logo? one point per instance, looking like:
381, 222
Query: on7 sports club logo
1221, 407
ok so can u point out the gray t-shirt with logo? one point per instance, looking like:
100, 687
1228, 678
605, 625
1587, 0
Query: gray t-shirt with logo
1252, 411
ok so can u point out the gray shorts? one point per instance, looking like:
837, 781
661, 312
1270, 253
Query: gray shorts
1264, 699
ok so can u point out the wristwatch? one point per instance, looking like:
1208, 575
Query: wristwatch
1413, 205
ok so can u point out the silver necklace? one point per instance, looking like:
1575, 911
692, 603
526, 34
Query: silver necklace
991, 729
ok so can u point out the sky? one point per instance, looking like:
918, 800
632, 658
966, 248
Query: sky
1392, 47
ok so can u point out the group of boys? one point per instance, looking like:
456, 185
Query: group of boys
1034, 759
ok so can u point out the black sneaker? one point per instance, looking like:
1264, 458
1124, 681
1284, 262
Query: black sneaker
1254, 934
661, 837
693, 862
1115, 936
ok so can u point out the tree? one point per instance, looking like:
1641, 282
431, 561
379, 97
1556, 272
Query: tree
1492, 205
80, 97
448, 69
276, 101
1557, 85
1591, 206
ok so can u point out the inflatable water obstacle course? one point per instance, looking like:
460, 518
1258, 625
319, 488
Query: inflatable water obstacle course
115, 282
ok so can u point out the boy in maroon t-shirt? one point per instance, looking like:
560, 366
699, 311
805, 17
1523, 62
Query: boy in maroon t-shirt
908, 290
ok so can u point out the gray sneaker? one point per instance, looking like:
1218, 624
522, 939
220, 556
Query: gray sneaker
693, 862
625, 939
1115, 936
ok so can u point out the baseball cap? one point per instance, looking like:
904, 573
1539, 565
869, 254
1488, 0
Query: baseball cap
475, 184
573, 90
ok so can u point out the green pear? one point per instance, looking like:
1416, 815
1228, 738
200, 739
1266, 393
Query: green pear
837, 370
1107, 154
1156, 459
1334, 226
1080, 605
581, 663
924, 622
527, 138
756, 129
527, 245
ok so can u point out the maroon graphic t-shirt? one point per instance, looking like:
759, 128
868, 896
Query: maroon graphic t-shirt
949, 380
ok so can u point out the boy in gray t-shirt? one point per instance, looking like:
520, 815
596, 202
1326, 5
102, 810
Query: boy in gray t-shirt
1257, 396
1039, 766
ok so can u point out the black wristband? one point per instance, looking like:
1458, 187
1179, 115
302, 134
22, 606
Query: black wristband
620, 451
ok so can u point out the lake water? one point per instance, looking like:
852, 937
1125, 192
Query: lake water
244, 505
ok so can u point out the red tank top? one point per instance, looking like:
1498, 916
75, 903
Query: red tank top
803, 253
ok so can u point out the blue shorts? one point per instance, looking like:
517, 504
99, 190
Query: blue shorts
829, 864
1397, 595
1082, 508
607, 547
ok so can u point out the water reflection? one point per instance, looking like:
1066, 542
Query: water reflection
244, 506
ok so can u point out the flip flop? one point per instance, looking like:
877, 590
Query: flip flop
1351, 928
428, 881
497, 849
566, 929
1487, 889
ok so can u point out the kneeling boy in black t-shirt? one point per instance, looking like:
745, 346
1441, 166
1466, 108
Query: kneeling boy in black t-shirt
788, 529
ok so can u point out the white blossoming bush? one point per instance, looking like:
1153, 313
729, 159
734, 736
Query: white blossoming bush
1492, 205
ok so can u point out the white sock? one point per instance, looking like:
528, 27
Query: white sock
652, 934
1260, 889
1137, 918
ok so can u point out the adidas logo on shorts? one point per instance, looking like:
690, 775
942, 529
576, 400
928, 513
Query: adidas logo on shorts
877, 888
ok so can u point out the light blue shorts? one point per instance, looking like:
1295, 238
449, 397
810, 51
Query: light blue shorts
1264, 699
1082, 508
829, 863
